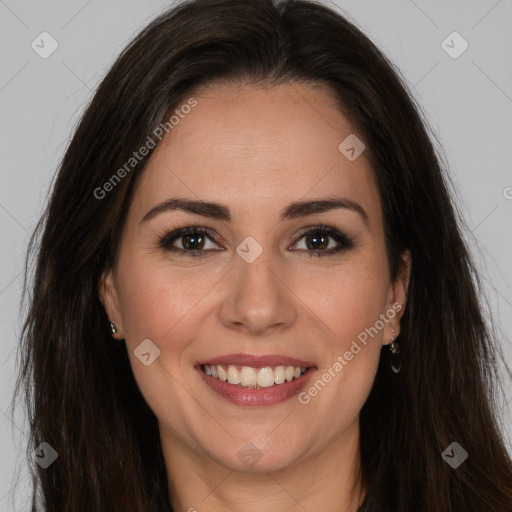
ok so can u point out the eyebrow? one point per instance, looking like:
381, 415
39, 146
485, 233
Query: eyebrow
221, 212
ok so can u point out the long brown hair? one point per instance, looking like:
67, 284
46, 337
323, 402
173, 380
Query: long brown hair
80, 393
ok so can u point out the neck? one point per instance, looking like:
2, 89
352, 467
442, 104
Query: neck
328, 480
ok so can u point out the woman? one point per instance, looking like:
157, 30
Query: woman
182, 351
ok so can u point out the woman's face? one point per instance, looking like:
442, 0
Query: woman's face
254, 292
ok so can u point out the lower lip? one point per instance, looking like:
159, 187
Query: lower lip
257, 397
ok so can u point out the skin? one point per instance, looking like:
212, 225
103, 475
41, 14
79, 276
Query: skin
255, 150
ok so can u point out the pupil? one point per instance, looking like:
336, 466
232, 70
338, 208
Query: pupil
196, 239
316, 238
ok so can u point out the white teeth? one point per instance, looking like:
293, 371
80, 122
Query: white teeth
254, 377
265, 377
233, 375
248, 376
279, 375
223, 375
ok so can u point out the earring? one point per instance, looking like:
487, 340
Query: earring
394, 348
113, 329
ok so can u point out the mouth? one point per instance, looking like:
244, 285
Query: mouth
255, 380
251, 377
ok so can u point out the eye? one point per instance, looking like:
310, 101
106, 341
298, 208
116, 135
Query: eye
317, 241
192, 240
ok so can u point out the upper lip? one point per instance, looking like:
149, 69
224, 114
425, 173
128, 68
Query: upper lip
257, 361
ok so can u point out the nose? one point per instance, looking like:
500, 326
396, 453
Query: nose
259, 296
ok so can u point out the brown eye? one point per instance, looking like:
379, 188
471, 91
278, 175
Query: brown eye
193, 242
317, 241
191, 239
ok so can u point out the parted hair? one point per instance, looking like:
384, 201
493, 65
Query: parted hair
78, 387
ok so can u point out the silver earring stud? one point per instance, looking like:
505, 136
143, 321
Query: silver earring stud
113, 329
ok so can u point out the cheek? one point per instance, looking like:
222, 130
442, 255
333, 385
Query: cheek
346, 300
348, 305
155, 298
158, 304
166, 305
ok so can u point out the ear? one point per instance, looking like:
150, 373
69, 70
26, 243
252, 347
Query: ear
397, 297
109, 298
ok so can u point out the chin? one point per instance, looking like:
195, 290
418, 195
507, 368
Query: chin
249, 456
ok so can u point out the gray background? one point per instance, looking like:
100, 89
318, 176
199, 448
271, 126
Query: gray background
467, 102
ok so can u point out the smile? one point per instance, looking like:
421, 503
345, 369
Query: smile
251, 377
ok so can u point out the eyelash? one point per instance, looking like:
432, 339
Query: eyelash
166, 240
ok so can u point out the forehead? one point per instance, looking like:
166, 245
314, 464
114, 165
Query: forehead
257, 147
